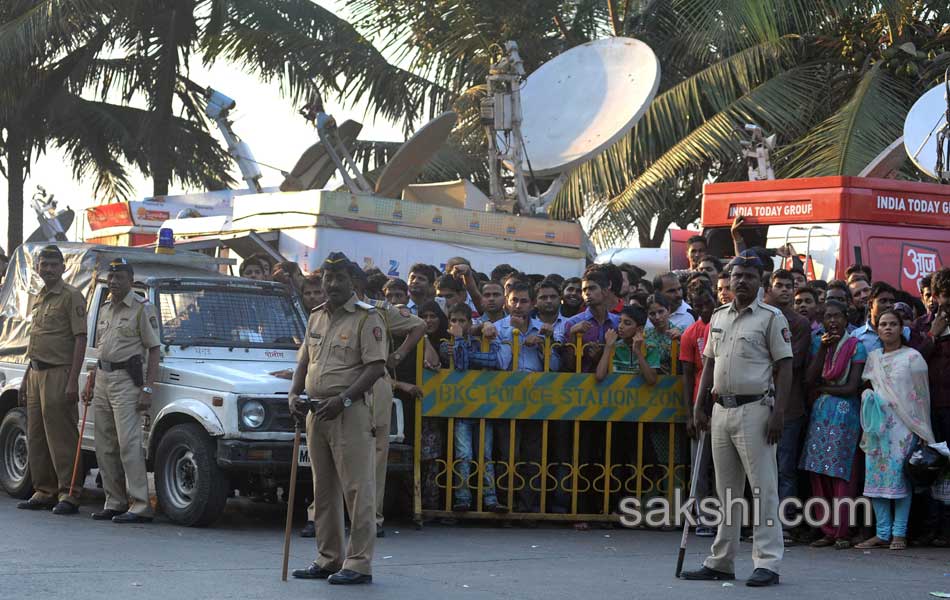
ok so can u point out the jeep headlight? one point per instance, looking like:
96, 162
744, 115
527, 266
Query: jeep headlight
252, 414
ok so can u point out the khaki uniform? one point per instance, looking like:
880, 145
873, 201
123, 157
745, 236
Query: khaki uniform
339, 345
745, 345
127, 328
399, 322
59, 316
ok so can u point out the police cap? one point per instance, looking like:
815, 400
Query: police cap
52, 251
747, 258
337, 261
120, 265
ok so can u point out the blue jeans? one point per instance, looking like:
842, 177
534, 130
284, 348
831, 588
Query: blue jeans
466, 438
787, 456
882, 511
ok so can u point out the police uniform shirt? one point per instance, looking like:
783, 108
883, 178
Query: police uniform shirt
339, 343
59, 316
745, 344
126, 328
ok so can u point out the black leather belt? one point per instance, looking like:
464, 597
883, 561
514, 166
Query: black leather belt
738, 400
42, 366
109, 367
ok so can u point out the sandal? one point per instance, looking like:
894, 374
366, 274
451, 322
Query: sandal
842, 544
898, 543
873, 542
823, 542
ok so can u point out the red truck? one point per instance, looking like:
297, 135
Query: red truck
901, 229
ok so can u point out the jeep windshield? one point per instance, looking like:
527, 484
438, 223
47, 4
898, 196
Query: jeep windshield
232, 316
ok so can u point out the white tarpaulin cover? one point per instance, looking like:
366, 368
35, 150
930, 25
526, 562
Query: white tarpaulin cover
84, 264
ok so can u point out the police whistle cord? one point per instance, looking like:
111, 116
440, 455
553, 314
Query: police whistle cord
82, 429
694, 477
291, 493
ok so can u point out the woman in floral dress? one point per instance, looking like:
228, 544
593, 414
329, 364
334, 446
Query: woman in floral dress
895, 411
835, 426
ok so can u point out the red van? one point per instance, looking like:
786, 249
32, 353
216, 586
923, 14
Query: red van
900, 228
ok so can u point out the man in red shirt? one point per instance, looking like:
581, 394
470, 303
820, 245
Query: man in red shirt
692, 343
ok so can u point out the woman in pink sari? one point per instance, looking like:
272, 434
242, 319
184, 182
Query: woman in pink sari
894, 412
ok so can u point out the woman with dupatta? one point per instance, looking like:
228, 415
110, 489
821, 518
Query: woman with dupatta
895, 411
835, 426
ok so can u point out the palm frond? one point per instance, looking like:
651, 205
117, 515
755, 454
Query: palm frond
781, 104
847, 141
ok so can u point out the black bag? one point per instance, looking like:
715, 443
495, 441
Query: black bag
924, 465
135, 369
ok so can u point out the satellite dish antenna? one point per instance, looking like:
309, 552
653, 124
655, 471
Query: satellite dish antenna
927, 133
574, 107
53, 224
412, 156
315, 166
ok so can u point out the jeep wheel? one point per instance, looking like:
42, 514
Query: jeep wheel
192, 489
14, 456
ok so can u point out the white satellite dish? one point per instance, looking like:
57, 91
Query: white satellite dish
412, 156
583, 101
924, 122
315, 166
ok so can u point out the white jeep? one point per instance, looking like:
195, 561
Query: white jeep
219, 420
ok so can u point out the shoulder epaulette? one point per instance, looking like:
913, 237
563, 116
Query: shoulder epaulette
719, 308
769, 307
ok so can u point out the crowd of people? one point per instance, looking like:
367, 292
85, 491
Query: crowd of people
860, 346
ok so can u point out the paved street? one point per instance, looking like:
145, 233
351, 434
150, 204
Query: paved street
45, 556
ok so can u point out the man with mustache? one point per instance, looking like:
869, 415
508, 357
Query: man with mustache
344, 354
747, 340
127, 330
50, 387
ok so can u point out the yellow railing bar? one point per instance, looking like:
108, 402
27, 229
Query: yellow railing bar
511, 465
574, 463
480, 464
450, 463
515, 349
670, 465
640, 459
544, 463
607, 469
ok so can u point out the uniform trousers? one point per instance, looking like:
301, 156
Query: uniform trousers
52, 435
740, 449
119, 442
382, 415
342, 458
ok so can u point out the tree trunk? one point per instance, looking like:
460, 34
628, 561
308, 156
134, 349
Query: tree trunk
16, 172
164, 95
652, 239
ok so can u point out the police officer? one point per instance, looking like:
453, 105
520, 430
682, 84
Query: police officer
400, 322
127, 329
747, 339
50, 387
343, 356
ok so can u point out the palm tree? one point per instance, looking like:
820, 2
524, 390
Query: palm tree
142, 51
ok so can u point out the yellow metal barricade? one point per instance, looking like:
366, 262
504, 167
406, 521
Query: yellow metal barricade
615, 438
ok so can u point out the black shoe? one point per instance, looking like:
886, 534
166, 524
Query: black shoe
65, 508
762, 578
348, 577
312, 572
32, 504
309, 530
131, 517
706, 574
106, 515
496, 508
380, 532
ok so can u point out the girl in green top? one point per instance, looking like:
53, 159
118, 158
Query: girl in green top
626, 349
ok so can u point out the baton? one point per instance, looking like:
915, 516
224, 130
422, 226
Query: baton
82, 429
290, 498
692, 495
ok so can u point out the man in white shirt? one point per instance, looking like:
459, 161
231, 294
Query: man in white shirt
669, 285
